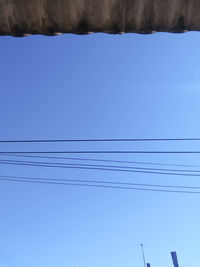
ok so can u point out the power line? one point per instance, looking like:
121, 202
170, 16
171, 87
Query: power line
97, 168
100, 182
98, 186
100, 140
98, 165
102, 160
101, 152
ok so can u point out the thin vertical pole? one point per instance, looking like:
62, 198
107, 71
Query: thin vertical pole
174, 259
142, 246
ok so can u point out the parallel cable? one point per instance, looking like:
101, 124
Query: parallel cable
100, 182
102, 160
100, 186
101, 152
99, 140
101, 169
98, 165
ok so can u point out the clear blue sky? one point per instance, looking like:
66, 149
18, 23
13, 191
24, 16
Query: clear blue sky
99, 86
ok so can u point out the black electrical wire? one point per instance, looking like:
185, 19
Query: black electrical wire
99, 182
98, 186
99, 140
102, 160
101, 152
101, 169
98, 165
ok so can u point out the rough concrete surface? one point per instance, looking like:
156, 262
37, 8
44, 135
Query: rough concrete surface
49, 17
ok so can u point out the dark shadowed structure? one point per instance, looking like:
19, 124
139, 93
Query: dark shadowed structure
50, 17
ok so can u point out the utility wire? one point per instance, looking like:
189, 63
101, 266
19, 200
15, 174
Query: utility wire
100, 182
101, 152
99, 140
102, 160
102, 169
98, 165
98, 186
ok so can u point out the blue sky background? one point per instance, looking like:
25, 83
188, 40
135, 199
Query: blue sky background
99, 86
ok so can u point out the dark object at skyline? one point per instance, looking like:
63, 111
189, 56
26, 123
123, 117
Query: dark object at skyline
174, 259
50, 17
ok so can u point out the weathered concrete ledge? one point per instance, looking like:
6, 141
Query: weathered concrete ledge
49, 17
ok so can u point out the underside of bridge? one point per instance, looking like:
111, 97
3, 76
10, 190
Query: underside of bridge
51, 17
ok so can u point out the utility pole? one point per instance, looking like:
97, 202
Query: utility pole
142, 246
174, 259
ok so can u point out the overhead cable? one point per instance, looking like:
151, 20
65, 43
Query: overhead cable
99, 182
102, 152
99, 140
101, 160
22, 180
100, 169
97, 165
